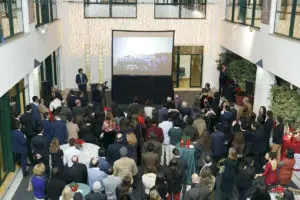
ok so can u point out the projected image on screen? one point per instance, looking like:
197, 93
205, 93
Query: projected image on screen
142, 53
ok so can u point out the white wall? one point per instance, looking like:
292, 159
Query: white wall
18, 54
81, 34
263, 83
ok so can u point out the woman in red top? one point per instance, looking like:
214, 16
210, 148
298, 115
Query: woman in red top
270, 172
286, 167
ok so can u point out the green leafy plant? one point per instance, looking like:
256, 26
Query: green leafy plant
241, 71
226, 58
285, 103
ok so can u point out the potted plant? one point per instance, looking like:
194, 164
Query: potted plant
74, 187
239, 95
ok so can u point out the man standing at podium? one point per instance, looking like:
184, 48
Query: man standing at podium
81, 80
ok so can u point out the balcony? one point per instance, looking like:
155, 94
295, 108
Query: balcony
180, 9
110, 9
246, 12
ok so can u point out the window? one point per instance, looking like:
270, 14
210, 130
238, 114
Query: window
247, 12
288, 18
110, 9
11, 18
180, 9
45, 11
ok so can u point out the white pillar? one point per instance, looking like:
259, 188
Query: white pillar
263, 84
25, 13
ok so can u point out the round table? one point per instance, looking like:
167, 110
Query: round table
87, 152
84, 189
188, 154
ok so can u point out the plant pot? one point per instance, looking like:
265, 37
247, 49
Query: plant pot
239, 99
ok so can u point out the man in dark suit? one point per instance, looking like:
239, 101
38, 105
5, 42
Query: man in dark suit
47, 125
71, 99
222, 78
77, 172
35, 112
28, 128
19, 145
40, 149
134, 107
226, 121
81, 80
149, 158
113, 150
59, 129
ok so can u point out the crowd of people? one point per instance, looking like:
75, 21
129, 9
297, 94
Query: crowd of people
140, 144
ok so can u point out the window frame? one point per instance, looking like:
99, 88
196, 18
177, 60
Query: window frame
254, 5
180, 4
39, 12
292, 16
10, 14
110, 3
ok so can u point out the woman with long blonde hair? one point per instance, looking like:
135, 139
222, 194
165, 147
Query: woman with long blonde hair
132, 145
109, 128
109, 123
66, 194
56, 155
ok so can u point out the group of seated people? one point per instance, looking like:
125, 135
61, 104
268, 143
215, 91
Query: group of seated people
142, 145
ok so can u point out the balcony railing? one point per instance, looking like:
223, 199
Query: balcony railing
11, 18
110, 9
246, 12
287, 20
180, 9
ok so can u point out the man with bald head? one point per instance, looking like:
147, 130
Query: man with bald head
94, 173
77, 173
198, 190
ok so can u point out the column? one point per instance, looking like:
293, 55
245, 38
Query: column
263, 84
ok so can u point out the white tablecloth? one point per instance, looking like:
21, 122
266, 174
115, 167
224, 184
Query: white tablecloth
88, 151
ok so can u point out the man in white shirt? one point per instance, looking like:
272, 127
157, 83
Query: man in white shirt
166, 125
55, 103
70, 152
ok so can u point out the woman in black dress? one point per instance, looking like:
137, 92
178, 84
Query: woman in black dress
228, 176
174, 179
262, 115
56, 155
160, 187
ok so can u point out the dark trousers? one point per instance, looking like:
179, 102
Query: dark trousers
29, 151
21, 159
242, 192
82, 88
259, 162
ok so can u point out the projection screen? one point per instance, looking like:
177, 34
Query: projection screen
136, 53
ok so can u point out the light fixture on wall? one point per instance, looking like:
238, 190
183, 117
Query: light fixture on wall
43, 29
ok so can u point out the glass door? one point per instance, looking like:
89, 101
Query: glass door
196, 70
